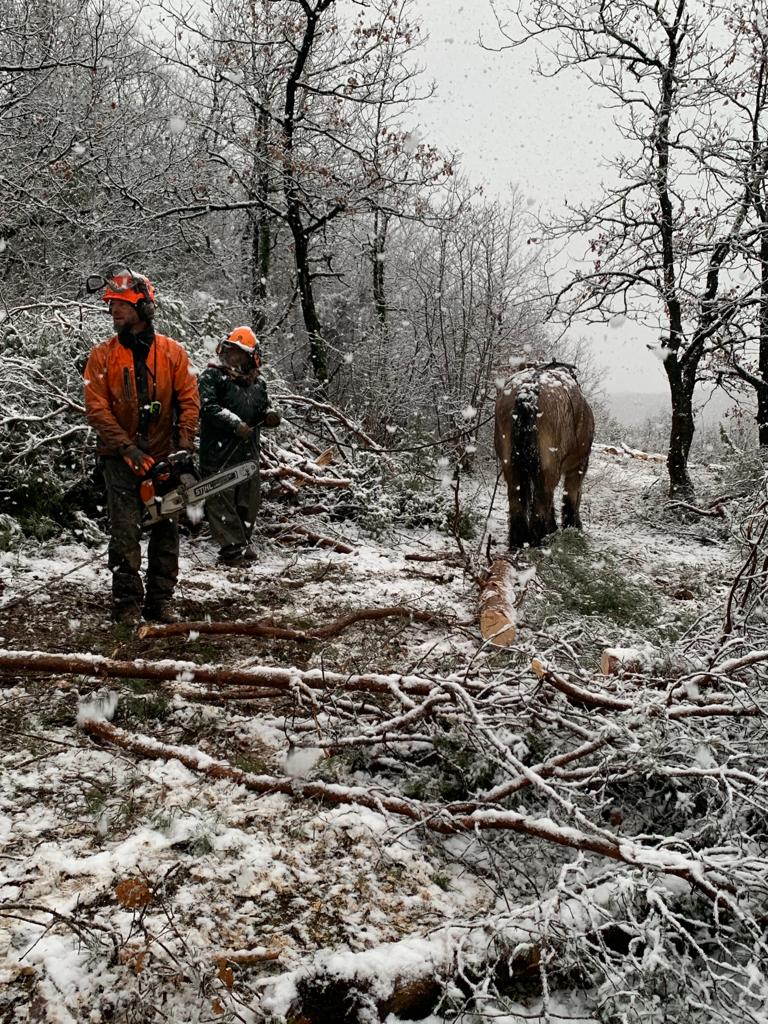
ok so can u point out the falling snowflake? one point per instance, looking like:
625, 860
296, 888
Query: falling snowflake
176, 124
411, 142
469, 412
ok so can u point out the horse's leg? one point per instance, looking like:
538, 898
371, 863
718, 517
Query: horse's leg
518, 519
542, 517
572, 495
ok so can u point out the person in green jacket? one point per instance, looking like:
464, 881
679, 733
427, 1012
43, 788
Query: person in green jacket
234, 406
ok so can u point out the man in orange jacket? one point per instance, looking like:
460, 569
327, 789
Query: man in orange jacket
141, 399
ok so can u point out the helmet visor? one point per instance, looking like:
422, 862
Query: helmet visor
120, 279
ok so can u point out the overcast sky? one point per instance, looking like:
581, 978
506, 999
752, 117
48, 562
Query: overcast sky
512, 127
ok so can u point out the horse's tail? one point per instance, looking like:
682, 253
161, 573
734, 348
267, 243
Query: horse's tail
526, 443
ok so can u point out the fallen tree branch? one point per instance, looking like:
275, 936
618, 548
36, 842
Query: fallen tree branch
438, 556
715, 511
283, 679
293, 533
429, 816
607, 702
331, 410
274, 632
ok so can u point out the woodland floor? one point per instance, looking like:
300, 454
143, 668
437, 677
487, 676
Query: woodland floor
281, 882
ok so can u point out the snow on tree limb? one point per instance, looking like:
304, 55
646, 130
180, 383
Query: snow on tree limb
695, 873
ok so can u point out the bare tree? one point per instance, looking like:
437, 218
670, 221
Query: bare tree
295, 91
84, 141
659, 239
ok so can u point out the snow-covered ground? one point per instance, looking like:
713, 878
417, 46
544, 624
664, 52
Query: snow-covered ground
140, 889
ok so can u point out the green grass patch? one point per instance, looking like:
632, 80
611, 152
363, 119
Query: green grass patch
588, 580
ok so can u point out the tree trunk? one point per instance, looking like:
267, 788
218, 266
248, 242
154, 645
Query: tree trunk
762, 389
379, 243
318, 350
681, 433
260, 233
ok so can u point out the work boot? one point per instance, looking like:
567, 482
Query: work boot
160, 611
126, 614
238, 556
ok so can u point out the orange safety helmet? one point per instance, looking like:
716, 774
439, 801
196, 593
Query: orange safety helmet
121, 283
244, 339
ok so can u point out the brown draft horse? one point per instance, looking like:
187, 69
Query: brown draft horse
544, 431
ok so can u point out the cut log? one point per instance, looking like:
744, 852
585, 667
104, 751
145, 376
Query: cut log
302, 478
499, 594
624, 451
325, 458
247, 957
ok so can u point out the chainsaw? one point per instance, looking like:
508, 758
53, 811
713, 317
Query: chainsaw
174, 484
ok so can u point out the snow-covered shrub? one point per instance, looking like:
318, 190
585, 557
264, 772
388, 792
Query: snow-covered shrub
10, 532
199, 323
380, 499
46, 457
739, 468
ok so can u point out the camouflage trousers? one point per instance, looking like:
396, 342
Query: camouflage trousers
231, 514
124, 553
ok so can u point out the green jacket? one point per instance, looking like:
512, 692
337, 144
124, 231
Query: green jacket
225, 403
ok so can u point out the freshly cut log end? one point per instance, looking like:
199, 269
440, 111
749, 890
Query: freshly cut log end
616, 660
497, 604
496, 627
539, 668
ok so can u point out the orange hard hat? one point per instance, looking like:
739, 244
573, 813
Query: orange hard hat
121, 283
244, 339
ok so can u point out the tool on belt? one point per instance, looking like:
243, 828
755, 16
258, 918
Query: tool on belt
173, 484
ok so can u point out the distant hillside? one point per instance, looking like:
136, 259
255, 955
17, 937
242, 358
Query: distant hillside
633, 408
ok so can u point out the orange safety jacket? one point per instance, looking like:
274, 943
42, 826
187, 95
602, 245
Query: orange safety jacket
112, 404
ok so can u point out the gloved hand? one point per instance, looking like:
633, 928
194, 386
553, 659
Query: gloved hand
140, 462
272, 418
243, 430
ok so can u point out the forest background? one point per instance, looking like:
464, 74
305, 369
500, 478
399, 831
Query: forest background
373, 813
264, 163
